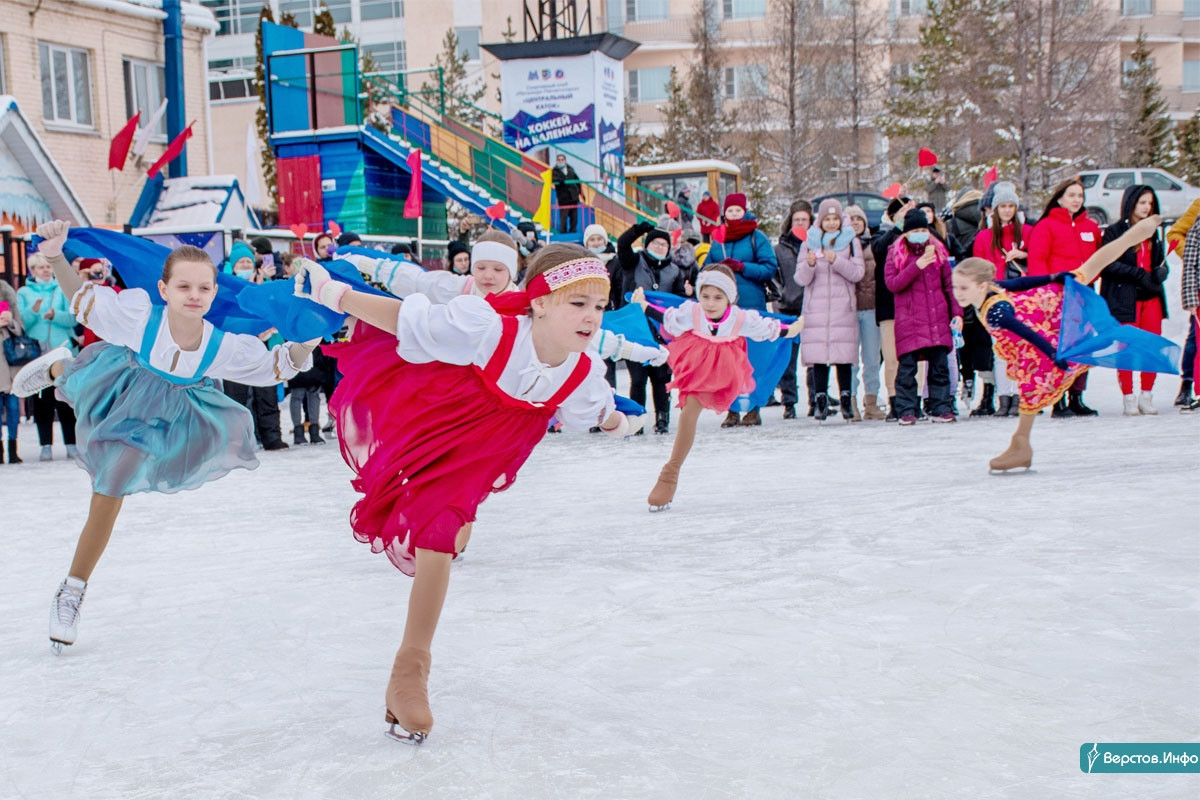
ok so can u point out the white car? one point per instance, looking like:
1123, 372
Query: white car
1104, 188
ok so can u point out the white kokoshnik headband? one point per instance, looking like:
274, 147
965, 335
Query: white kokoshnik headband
710, 277
495, 251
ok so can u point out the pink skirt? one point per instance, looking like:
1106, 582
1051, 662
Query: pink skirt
427, 442
714, 372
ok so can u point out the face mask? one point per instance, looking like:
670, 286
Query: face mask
596, 250
244, 274
524, 249
920, 237
656, 257
330, 249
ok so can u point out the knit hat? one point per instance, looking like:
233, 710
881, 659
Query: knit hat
1005, 192
454, 248
262, 245
526, 227
894, 206
829, 205
595, 229
658, 233
88, 263
915, 219
735, 199
402, 249
856, 211
239, 251
348, 238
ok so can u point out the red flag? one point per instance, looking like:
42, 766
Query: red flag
173, 150
412, 206
118, 151
926, 157
989, 177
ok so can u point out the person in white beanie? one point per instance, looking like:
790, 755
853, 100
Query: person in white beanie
494, 266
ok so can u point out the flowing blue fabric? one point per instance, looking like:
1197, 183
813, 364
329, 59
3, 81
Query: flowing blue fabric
768, 359
1090, 335
240, 306
628, 407
631, 322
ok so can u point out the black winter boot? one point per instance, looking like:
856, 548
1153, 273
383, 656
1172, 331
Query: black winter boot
298, 435
1077, 406
1062, 410
13, 458
662, 421
847, 406
314, 433
822, 407
891, 415
789, 411
986, 407
1006, 402
1184, 397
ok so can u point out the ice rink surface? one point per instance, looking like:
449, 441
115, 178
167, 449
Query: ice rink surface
846, 611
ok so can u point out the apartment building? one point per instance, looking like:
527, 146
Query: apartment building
79, 69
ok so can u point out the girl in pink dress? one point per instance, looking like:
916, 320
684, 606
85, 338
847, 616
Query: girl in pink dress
440, 405
1024, 318
708, 359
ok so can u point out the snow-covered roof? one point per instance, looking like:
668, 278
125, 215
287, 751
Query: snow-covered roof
32, 187
213, 200
194, 14
698, 165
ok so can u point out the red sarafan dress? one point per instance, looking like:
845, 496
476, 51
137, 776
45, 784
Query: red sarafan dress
433, 426
708, 357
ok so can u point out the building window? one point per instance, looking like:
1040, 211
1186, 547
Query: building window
66, 84
1191, 76
744, 9
643, 10
235, 16
468, 42
1137, 8
648, 85
227, 64
839, 78
144, 91
898, 72
836, 8
230, 88
305, 10
389, 56
744, 81
381, 9
911, 8
1191, 9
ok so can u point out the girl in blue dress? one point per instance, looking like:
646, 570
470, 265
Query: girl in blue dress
150, 417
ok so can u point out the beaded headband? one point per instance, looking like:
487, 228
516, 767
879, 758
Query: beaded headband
565, 274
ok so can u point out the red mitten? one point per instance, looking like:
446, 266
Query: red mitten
734, 264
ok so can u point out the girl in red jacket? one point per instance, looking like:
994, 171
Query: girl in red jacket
1003, 243
1062, 240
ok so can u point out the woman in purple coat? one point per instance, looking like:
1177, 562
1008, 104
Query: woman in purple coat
829, 265
917, 272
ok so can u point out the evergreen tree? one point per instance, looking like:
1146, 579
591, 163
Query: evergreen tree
1187, 149
708, 126
260, 115
1144, 135
323, 23
462, 94
678, 126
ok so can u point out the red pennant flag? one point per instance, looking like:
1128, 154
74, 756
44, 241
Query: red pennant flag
173, 150
989, 177
926, 157
118, 151
412, 206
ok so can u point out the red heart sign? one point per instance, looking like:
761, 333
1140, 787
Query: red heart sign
892, 192
299, 229
497, 211
718, 234
676, 235
334, 228
926, 157
800, 233
672, 210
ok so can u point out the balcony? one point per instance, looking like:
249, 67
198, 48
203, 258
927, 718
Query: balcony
1162, 25
676, 32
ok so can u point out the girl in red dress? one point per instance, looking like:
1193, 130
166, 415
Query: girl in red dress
440, 405
708, 360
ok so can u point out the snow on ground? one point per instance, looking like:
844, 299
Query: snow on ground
828, 612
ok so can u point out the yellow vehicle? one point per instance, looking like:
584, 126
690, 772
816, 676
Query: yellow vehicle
649, 187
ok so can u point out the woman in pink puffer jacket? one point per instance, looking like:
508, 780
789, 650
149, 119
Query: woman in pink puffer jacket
828, 266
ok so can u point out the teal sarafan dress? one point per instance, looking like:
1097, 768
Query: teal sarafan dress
143, 429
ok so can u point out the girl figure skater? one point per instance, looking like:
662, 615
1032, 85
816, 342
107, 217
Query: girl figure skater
1024, 316
440, 406
708, 359
494, 267
149, 417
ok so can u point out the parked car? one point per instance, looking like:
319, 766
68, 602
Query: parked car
874, 204
1103, 190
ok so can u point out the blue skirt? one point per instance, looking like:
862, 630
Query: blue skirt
139, 432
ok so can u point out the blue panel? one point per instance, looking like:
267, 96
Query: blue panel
289, 81
341, 161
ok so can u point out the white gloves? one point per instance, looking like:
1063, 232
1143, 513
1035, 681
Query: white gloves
322, 289
616, 346
54, 234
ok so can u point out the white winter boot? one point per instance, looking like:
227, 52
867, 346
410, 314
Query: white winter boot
1145, 404
64, 612
1131, 405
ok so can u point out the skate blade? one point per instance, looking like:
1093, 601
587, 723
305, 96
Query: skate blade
405, 736
1012, 472
660, 509
57, 646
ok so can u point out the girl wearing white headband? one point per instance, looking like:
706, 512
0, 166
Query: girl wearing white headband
493, 271
440, 405
707, 355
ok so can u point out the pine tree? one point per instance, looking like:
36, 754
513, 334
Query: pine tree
260, 115
323, 23
1187, 149
462, 94
1144, 135
676, 138
708, 125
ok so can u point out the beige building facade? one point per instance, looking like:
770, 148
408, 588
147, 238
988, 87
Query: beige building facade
79, 69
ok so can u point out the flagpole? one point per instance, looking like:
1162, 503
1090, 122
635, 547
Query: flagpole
420, 233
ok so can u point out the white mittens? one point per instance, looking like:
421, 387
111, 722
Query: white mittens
322, 288
54, 235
